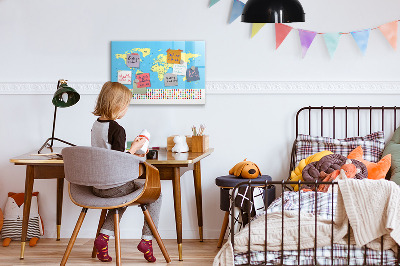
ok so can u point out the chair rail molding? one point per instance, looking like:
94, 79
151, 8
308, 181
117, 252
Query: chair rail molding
230, 87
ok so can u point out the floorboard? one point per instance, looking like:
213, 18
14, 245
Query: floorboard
50, 252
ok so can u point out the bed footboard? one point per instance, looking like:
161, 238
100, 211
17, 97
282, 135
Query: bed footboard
310, 254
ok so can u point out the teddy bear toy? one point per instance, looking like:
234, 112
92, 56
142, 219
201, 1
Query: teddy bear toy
245, 169
13, 215
180, 144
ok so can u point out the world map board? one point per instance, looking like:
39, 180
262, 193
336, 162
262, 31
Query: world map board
159, 72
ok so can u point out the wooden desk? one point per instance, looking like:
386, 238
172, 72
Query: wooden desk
171, 167
40, 167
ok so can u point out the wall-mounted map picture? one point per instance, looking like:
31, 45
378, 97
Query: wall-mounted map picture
160, 72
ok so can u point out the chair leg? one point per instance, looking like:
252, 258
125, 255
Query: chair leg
117, 239
223, 229
154, 230
73, 237
101, 222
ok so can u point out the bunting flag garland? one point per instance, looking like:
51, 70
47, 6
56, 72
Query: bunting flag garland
332, 41
306, 39
281, 31
237, 9
389, 30
361, 37
213, 2
256, 27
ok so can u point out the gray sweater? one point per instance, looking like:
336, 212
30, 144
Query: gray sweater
110, 135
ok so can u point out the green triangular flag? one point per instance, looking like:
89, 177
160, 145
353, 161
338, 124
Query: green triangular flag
213, 2
256, 27
332, 41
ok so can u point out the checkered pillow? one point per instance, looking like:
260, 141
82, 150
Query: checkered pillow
372, 145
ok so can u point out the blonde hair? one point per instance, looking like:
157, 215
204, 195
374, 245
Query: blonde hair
112, 99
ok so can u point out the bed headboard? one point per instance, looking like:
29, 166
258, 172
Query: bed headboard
344, 121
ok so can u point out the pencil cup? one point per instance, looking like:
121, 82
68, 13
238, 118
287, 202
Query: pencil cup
200, 143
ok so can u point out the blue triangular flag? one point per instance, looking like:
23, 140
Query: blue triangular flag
361, 37
213, 2
332, 41
237, 9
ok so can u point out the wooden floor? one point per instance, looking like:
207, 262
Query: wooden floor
50, 252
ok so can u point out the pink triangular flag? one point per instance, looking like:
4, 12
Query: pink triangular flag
306, 39
281, 31
389, 30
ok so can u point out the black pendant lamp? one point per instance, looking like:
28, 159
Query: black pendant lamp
273, 11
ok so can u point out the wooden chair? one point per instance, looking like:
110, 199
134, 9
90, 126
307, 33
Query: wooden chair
85, 167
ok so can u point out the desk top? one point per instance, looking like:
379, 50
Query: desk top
164, 157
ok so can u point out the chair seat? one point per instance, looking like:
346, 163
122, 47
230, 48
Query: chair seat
83, 196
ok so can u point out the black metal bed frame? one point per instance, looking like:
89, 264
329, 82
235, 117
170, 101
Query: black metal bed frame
283, 184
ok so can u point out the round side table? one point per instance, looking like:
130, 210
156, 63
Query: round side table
226, 183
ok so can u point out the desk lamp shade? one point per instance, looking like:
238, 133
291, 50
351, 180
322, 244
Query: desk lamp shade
273, 11
64, 96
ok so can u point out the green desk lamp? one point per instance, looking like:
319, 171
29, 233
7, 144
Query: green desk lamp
65, 96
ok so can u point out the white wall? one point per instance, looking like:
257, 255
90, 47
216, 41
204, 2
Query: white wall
42, 41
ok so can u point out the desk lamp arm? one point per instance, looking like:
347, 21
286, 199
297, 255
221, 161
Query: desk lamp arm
46, 143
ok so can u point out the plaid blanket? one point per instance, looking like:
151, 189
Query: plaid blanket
323, 205
324, 257
306, 201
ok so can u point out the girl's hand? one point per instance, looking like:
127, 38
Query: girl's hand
137, 144
143, 155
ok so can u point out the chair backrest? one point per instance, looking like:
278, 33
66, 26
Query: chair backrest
92, 166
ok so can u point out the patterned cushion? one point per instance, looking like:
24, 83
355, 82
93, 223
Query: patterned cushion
372, 144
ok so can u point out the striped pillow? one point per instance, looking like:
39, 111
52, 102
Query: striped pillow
372, 145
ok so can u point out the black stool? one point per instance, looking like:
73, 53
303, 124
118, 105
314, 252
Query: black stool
226, 183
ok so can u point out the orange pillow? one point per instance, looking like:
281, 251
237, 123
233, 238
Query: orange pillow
375, 170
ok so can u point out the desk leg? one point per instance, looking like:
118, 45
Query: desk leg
176, 182
60, 190
27, 206
199, 204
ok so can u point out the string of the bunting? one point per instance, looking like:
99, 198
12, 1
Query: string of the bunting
361, 37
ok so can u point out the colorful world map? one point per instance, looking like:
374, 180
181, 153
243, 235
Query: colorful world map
153, 60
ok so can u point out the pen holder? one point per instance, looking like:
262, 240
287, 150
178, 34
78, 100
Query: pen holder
200, 143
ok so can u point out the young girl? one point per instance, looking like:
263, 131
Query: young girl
112, 104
